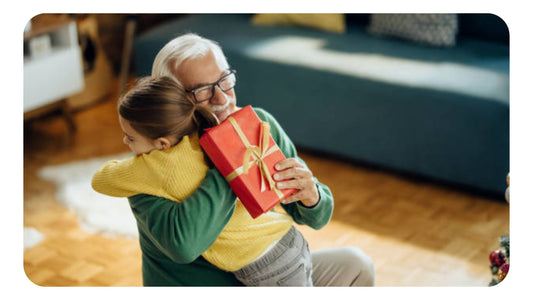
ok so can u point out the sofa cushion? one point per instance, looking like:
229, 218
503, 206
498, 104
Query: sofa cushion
429, 29
327, 22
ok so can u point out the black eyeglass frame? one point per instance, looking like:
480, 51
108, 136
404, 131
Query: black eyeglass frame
217, 83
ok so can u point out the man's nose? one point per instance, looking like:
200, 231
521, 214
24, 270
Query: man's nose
219, 97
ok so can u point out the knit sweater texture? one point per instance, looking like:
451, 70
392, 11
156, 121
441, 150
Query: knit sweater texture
174, 235
175, 174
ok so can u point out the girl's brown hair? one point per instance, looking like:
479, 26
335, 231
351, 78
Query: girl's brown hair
159, 107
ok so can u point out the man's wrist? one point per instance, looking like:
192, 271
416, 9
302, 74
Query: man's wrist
312, 205
309, 206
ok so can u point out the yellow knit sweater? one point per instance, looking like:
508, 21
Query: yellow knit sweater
175, 174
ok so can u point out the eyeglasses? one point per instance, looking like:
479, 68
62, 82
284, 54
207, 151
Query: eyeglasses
206, 92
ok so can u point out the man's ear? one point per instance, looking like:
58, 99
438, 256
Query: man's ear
162, 143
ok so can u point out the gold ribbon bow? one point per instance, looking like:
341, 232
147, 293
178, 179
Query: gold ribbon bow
258, 153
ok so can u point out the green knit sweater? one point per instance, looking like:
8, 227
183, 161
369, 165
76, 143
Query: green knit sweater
173, 235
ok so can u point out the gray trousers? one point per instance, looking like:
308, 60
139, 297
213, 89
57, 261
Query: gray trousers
288, 263
345, 266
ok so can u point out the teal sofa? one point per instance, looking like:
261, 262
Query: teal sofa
453, 131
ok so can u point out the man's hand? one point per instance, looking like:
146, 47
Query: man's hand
298, 177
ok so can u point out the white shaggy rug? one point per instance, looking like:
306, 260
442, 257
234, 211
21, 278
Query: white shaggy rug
97, 213
32, 237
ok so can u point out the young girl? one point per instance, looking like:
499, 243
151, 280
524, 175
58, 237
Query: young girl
162, 126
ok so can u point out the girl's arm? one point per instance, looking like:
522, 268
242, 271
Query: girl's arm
121, 178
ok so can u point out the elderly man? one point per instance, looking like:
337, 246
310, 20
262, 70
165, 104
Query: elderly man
174, 235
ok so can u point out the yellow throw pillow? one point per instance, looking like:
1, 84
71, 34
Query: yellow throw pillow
327, 22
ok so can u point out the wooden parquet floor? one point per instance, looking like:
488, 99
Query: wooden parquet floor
418, 234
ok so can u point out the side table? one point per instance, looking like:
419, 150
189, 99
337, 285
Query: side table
53, 69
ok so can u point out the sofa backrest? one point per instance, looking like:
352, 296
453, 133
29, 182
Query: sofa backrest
487, 27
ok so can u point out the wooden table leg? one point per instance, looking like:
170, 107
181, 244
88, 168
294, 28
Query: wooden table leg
61, 105
131, 24
67, 113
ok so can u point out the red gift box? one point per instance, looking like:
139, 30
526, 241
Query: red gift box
245, 154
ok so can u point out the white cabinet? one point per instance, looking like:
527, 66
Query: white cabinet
53, 66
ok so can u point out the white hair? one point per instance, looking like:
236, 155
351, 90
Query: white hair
187, 46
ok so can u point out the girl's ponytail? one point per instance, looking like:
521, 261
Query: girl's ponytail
204, 118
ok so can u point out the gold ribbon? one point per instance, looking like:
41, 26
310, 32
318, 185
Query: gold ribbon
257, 153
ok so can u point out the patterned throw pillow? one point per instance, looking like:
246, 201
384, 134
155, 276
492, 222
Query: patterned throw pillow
429, 29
